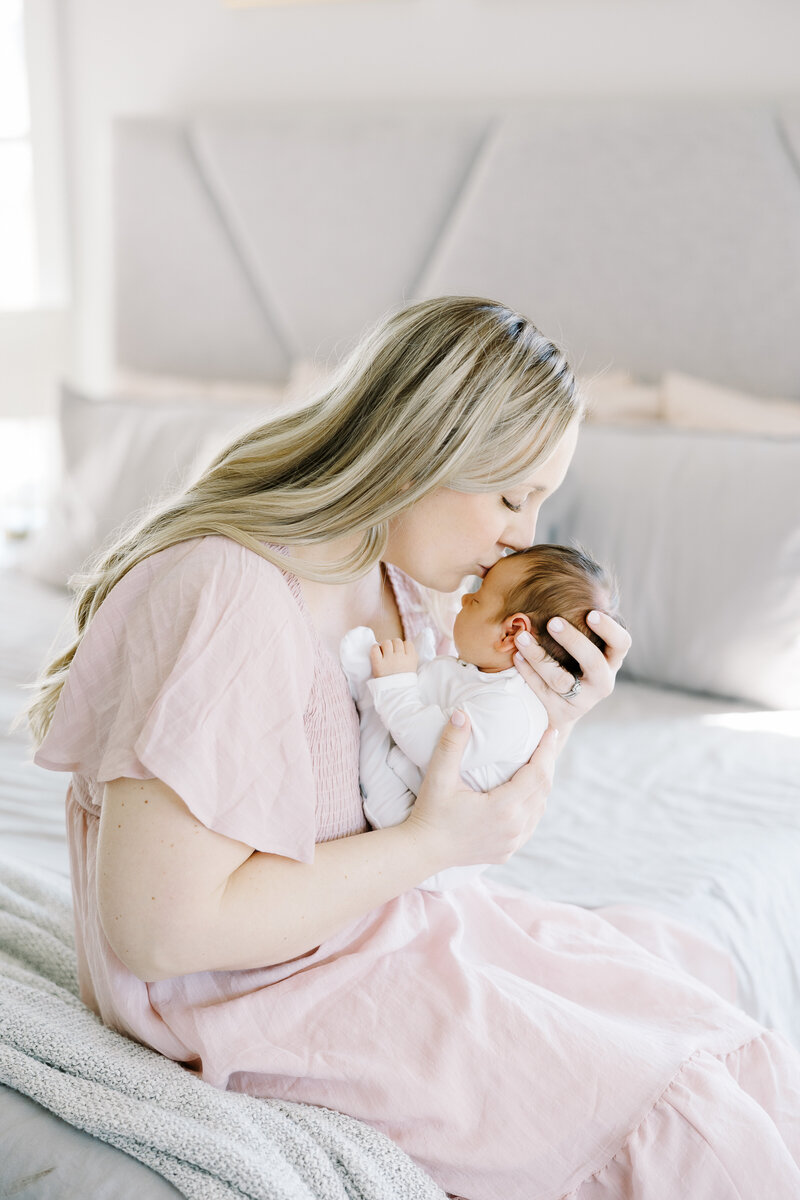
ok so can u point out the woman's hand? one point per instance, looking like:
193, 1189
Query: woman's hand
551, 683
465, 827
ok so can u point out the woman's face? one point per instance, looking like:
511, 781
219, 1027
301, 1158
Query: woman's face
448, 535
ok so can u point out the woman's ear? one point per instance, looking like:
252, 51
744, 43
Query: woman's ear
512, 626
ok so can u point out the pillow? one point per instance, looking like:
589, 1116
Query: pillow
120, 454
616, 398
306, 382
175, 389
694, 404
117, 456
703, 531
306, 378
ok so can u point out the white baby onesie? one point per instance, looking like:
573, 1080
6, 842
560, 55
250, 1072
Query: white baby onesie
402, 717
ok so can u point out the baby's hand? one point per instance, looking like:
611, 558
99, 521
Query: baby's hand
392, 658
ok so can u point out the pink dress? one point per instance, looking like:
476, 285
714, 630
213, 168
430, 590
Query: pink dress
517, 1049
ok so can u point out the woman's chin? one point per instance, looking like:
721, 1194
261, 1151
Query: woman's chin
439, 581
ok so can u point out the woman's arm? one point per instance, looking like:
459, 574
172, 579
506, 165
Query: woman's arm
175, 897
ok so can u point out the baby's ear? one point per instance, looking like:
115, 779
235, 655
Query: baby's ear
511, 626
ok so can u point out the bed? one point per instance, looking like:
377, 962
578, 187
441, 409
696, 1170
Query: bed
629, 235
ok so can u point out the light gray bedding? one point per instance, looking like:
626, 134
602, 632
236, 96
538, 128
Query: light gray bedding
41, 1156
32, 618
212, 1144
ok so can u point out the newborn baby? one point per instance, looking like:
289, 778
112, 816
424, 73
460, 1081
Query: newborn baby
403, 706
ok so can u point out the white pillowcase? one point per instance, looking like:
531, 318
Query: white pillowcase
121, 454
703, 531
616, 398
305, 377
690, 403
117, 456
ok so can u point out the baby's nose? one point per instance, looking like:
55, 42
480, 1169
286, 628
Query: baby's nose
465, 598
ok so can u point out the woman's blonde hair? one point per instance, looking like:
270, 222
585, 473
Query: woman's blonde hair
456, 391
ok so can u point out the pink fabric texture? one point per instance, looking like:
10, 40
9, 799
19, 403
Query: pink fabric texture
517, 1049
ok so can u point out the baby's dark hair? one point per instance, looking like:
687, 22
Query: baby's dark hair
562, 581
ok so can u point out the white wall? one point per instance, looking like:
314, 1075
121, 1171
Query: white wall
174, 56
35, 348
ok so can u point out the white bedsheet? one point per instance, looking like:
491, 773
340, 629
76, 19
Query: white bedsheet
33, 618
684, 804
691, 806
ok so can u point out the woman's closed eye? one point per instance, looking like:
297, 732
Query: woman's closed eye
514, 507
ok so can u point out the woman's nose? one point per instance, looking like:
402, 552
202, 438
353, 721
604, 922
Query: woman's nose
520, 535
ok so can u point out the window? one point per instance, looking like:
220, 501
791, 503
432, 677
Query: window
33, 260
33, 226
18, 269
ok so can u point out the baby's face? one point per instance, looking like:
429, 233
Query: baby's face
482, 630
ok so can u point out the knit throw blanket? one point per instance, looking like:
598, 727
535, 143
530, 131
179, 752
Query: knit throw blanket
211, 1145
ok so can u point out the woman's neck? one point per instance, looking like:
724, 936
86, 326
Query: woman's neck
336, 607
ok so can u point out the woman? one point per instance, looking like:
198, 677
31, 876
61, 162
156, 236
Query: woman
514, 1048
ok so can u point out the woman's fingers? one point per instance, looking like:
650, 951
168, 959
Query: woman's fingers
465, 826
591, 657
552, 684
535, 682
530, 785
432, 812
543, 667
535, 777
444, 769
541, 766
598, 668
617, 639
544, 756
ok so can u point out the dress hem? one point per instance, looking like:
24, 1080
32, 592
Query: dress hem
573, 1193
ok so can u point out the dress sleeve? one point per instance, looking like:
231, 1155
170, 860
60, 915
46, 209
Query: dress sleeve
197, 670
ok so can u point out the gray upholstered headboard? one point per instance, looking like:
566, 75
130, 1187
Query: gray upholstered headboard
658, 235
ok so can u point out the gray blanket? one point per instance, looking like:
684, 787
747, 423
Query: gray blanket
210, 1145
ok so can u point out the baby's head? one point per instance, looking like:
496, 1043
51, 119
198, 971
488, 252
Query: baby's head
524, 591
